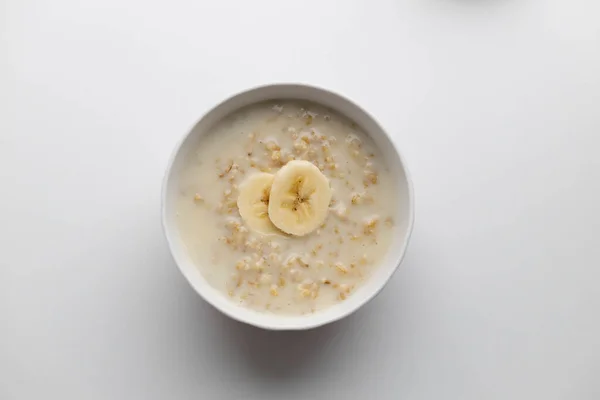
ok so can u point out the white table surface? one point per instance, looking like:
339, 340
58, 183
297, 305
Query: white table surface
494, 103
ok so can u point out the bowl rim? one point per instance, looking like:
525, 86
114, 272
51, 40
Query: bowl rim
304, 322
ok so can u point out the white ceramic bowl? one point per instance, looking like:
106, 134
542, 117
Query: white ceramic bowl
381, 274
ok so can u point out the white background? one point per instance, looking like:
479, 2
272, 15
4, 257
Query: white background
495, 105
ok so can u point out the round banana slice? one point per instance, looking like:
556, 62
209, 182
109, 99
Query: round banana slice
253, 202
300, 197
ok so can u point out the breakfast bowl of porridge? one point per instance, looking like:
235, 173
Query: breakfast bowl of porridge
287, 207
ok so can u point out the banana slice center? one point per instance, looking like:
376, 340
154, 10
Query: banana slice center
262, 205
298, 198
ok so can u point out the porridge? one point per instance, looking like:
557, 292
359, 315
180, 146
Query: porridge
286, 207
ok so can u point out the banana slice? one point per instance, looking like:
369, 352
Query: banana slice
300, 197
253, 202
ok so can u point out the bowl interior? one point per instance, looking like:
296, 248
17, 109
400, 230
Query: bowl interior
381, 274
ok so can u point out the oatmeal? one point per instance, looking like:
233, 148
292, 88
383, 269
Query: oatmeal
286, 207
